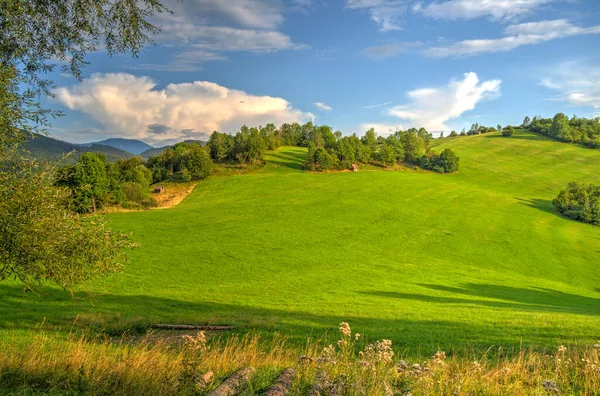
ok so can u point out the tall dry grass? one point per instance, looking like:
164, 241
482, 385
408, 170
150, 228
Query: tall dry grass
154, 365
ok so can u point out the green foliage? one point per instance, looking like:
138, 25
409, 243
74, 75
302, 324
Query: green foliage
220, 146
414, 146
580, 202
40, 240
445, 162
183, 162
43, 241
574, 130
509, 131
453, 134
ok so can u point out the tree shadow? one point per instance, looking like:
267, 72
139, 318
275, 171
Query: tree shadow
115, 314
288, 159
540, 204
516, 136
537, 299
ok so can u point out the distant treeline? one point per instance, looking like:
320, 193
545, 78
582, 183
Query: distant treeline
329, 150
96, 182
573, 130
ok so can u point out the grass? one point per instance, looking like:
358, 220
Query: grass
455, 262
79, 365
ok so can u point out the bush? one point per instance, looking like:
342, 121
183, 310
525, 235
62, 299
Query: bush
446, 162
509, 131
135, 192
580, 202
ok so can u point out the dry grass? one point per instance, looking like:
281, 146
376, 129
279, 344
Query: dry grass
173, 195
152, 366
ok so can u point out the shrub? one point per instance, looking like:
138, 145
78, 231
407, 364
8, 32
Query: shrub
446, 162
509, 131
580, 202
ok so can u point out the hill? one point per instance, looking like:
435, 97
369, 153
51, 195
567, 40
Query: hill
157, 150
465, 260
47, 148
130, 145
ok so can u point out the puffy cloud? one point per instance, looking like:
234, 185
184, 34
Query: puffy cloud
388, 50
517, 35
323, 107
431, 108
468, 9
577, 84
386, 13
130, 106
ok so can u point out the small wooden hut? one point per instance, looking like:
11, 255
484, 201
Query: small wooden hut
159, 189
354, 167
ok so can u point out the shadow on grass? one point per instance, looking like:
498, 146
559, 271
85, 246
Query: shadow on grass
534, 299
541, 204
517, 136
116, 314
289, 159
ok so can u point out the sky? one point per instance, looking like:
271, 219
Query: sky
350, 64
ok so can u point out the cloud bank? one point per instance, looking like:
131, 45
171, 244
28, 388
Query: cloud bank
132, 107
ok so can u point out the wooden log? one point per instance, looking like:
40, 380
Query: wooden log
190, 327
283, 383
320, 385
234, 384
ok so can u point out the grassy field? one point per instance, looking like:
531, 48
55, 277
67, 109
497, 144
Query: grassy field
466, 260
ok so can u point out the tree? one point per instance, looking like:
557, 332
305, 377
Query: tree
220, 146
499, 127
509, 131
526, 122
453, 134
90, 183
40, 239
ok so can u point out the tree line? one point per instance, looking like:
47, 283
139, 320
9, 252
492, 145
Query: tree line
95, 182
572, 130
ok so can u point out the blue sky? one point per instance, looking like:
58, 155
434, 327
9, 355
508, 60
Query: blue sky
350, 64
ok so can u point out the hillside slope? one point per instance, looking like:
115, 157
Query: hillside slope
471, 259
47, 148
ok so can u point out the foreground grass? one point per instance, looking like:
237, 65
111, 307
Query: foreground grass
450, 262
196, 365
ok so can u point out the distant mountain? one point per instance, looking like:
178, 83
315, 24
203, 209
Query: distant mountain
46, 148
157, 150
133, 146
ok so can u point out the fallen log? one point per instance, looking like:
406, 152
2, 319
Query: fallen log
234, 384
283, 383
191, 327
320, 385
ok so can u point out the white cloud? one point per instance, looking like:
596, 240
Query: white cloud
255, 14
323, 107
371, 107
383, 129
577, 84
500, 10
130, 106
386, 13
388, 50
431, 108
517, 35
204, 29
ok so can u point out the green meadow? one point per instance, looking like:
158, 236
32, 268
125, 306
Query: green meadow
465, 260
